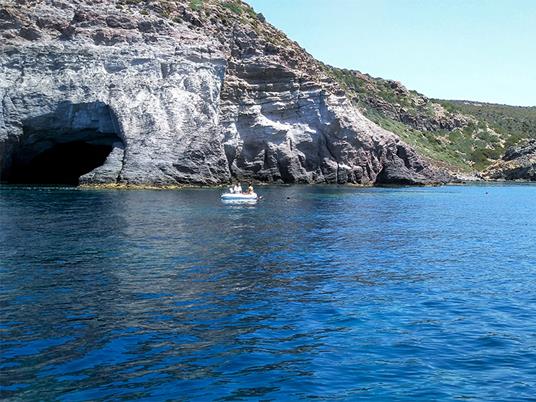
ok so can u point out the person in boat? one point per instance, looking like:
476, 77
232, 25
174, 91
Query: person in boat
238, 188
250, 189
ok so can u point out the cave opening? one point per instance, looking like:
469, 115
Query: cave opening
63, 164
60, 147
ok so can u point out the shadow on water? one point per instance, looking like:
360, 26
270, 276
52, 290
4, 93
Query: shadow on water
312, 292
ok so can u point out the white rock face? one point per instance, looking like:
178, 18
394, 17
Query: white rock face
291, 128
172, 104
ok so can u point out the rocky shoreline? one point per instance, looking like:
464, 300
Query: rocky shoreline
455, 182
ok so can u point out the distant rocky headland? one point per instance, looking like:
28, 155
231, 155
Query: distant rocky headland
518, 163
135, 92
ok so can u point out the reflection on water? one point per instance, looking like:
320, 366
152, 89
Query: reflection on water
329, 292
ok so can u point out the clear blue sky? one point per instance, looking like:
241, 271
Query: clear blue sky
454, 49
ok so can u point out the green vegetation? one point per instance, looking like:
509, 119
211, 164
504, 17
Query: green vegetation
196, 5
478, 133
431, 144
514, 123
366, 88
234, 5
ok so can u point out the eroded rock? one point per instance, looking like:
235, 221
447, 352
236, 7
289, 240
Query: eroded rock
518, 163
190, 97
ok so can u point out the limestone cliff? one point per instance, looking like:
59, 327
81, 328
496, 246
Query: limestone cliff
166, 92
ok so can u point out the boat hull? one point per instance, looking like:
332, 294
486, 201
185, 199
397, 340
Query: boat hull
239, 197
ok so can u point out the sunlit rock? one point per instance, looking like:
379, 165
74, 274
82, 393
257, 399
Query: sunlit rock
147, 95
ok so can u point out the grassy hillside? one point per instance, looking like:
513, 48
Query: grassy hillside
513, 122
463, 135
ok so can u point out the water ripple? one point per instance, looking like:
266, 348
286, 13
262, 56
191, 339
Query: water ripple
315, 292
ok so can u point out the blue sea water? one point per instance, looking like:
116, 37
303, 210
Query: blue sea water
332, 293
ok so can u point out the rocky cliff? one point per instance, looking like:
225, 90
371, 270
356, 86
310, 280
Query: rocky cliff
390, 99
166, 92
518, 163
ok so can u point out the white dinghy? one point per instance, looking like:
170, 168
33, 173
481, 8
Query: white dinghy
236, 194
239, 197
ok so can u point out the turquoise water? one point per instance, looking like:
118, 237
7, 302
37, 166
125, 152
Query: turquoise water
316, 292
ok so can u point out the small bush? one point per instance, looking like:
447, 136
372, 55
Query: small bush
235, 7
196, 5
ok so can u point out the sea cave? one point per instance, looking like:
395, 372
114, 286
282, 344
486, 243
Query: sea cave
58, 148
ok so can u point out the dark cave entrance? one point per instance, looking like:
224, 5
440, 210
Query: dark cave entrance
58, 148
61, 164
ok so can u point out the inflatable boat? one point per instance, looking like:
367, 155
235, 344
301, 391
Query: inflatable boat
239, 197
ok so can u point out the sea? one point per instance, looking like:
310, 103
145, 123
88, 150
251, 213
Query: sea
313, 293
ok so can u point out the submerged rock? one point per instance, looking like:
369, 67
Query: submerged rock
518, 163
175, 95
